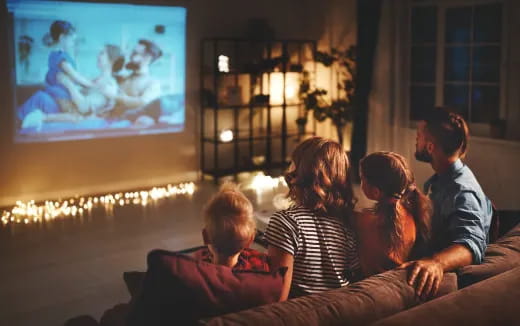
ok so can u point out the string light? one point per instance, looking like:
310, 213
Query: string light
31, 212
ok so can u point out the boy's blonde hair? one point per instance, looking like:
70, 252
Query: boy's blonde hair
229, 220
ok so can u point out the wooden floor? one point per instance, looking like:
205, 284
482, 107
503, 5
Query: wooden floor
50, 273
70, 267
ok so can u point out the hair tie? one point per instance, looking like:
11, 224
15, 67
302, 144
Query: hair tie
393, 199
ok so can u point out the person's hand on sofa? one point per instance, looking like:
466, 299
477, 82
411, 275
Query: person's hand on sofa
426, 275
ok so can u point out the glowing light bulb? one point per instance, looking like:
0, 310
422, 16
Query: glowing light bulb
223, 63
30, 212
226, 135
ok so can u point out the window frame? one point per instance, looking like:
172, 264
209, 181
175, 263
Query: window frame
478, 128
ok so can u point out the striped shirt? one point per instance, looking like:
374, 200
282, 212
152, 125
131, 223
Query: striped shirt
324, 250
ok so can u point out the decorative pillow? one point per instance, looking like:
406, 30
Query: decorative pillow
500, 257
180, 290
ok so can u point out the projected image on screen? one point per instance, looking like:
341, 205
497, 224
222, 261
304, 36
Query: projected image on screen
87, 70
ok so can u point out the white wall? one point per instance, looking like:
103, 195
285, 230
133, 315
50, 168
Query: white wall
61, 169
495, 162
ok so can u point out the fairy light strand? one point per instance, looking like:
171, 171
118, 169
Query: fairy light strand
32, 212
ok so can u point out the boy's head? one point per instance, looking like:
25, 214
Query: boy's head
229, 224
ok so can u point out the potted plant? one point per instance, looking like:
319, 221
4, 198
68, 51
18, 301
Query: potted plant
340, 110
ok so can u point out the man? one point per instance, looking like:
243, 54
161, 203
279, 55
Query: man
462, 212
139, 88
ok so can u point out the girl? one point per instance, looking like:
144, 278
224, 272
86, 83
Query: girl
398, 227
313, 238
62, 37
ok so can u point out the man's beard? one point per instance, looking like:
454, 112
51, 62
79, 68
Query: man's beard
423, 155
134, 66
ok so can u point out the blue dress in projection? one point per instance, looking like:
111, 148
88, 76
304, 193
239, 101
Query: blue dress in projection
45, 100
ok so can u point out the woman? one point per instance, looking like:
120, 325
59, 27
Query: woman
89, 101
313, 239
398, 227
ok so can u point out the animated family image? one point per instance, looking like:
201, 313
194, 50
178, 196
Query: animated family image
85, 73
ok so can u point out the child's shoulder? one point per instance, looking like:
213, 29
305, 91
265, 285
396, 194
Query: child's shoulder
297, 211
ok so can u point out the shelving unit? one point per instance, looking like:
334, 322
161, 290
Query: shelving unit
251, 88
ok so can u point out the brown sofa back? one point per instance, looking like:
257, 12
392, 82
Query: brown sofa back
358, 304
491, 302
501, 256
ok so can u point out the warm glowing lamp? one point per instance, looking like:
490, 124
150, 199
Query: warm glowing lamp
226, 135
223, 63
275, 83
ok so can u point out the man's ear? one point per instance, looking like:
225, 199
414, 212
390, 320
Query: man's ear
430, 147
205, 237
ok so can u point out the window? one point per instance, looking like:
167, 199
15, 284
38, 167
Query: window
455, 59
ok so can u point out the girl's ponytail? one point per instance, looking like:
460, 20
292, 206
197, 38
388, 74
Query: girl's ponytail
420, 206
391, 227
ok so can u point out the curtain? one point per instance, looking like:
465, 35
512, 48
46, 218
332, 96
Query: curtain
386, 114
368, 13
388, 125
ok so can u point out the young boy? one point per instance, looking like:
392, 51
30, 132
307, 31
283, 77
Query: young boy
169, 290
229, 229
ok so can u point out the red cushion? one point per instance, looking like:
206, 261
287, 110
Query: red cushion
179, 288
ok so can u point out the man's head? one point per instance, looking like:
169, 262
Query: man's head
144, 54
441, 133
229, 224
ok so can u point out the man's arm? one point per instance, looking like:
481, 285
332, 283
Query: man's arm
427, 274
152, 92
467, 230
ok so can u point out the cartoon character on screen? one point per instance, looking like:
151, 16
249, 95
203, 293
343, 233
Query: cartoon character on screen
61, 37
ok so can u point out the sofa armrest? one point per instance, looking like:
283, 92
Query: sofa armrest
361, 303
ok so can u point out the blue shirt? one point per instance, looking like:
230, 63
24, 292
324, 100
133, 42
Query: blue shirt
54, 88
461, 211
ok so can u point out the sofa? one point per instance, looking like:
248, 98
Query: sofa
485, 294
